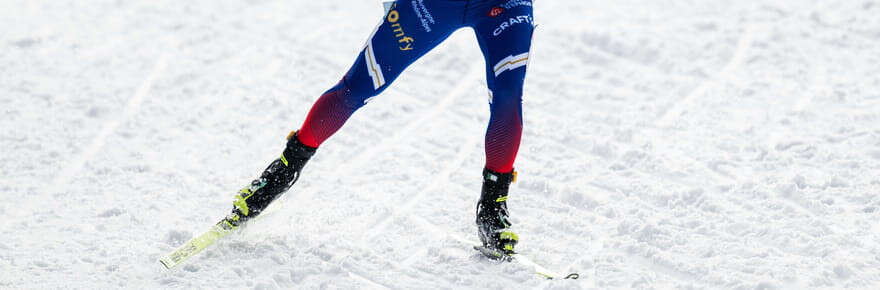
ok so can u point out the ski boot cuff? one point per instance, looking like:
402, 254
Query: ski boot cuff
296, 149
503, 179
496, 185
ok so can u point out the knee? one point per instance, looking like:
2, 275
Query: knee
350, 94
507, 90
505, 100
357, 91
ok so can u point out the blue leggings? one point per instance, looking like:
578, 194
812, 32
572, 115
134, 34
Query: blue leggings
408, 31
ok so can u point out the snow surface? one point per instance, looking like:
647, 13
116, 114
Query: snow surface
667, 144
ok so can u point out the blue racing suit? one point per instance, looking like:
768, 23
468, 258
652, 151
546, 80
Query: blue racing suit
408, 31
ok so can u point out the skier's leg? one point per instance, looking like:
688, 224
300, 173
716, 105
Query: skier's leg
504, 31
505, 40
408, 31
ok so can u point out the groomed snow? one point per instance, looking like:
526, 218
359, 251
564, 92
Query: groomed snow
667, 144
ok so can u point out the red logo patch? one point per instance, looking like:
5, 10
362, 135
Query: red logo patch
495, 11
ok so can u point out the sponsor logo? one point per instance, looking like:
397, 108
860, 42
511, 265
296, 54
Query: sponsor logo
521, 19
424, 15
516, 3
495, 11
404, 42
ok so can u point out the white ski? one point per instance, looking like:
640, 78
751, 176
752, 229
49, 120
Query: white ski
522, 260
208, 238
194, 246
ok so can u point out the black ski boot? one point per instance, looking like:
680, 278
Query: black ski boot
492, 217
275, 180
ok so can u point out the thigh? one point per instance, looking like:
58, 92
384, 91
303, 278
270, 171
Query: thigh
504, 32
409, 30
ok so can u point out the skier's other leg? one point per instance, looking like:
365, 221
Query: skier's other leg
408, 31
505, 41
504, 31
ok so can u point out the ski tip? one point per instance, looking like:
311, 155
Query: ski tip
572, 276
164, 263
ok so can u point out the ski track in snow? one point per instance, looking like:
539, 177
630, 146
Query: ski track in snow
675, 144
